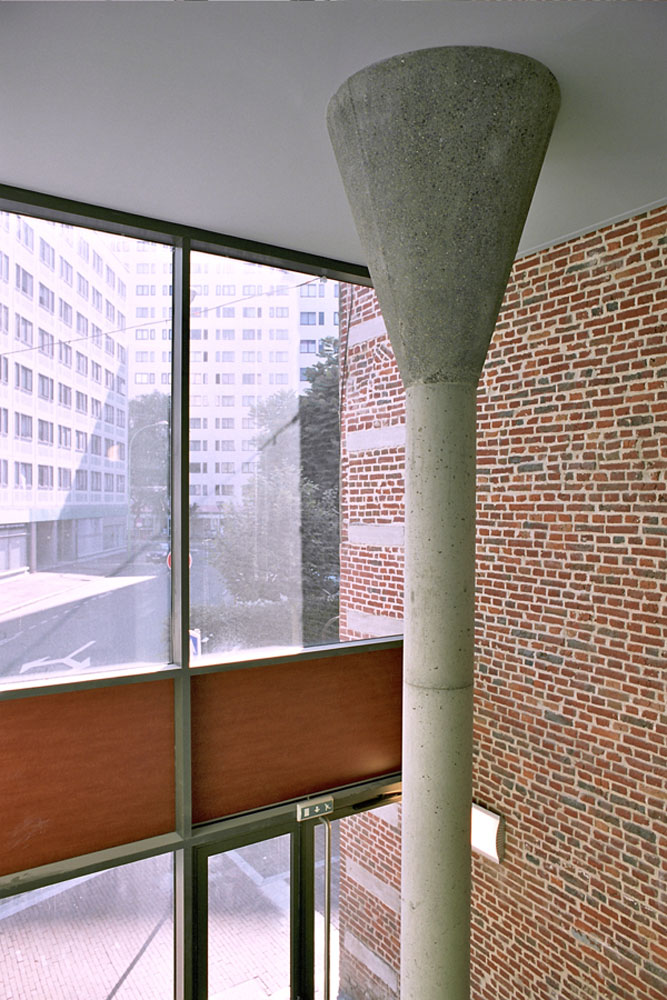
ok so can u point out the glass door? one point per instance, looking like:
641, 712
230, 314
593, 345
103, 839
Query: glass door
359, 856
249, 922
303, 908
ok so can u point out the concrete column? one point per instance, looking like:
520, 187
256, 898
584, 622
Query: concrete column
439, 151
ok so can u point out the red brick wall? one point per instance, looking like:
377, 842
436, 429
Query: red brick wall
369, 911
372, 478
570, 724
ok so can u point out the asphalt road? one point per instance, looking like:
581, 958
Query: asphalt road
127, 625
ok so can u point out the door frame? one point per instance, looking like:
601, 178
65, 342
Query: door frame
266, 824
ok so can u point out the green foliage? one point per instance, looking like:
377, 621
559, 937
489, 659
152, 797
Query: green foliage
258, 552
148, 455
320, 473
320, 421
278, 548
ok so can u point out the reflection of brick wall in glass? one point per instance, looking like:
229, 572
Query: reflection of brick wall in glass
571, 591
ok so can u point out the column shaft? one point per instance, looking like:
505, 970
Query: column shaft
439, 151
438, 689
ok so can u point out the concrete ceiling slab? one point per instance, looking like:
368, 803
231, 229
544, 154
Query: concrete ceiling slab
213, 114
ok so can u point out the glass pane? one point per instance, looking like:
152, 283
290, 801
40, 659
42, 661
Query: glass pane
84, 450
101, 936
249, 922
264, 458
365, 906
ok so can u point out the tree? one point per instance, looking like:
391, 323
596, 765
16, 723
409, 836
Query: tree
319, 423
278, 549
148, 460
259, 549
319, 419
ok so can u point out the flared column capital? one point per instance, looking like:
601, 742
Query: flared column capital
439, 151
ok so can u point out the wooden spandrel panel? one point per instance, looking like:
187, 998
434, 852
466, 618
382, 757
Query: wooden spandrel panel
266, 734
86, 770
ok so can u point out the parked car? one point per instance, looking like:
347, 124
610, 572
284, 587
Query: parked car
159, 553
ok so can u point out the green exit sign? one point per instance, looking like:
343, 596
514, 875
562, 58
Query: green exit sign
314, 808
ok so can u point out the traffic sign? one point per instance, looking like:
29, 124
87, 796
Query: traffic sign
189, 559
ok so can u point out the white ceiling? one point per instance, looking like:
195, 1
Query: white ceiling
213, 114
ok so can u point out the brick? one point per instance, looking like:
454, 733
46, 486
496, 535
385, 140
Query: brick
571, 626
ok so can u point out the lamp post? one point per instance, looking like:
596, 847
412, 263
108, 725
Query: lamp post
131, 440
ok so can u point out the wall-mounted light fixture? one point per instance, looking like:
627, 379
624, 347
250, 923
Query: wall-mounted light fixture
487, 833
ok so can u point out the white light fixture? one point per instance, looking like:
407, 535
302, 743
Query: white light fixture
487, 833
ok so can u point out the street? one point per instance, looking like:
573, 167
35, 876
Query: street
120, 626
72, 623
109, 935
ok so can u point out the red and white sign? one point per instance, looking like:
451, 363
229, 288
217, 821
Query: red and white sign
189, 560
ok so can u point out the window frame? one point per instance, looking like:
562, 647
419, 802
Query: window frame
188, 842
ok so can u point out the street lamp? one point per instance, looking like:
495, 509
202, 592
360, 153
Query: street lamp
130, 442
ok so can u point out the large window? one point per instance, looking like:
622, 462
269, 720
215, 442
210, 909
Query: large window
99, 936
264, 532
84, 556
167, 508
263, 523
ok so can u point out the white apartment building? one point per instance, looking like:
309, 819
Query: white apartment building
85, 326
63, 394
255, 330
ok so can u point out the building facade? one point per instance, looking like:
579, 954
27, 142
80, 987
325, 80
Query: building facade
85, 322
254, 334
63, 394
570, 737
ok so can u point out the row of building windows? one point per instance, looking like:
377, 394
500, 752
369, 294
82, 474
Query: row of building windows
221, 423
220, 289
199, 333
305, 347
24, 331
221, 490
150, 312
112, 415
149, 378
218, 401
227, 357
24, 376
221, 468
25, 235
312, 290
226, 444
47, 299
66, 395
24, 425
47, 476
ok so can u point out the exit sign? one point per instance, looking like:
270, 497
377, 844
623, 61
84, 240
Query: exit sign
314, 808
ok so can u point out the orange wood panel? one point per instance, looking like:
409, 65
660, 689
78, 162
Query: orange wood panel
85, 770
266, 734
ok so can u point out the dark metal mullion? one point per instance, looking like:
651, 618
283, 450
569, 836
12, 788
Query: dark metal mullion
75, 213
191, 926
186, 922
180, 390
302, 913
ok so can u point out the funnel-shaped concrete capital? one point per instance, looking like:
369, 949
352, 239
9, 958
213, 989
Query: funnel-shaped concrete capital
439, 151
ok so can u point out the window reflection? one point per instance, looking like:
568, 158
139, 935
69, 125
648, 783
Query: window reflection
84, 448
100, 936
85, 413
264, 460
249, 922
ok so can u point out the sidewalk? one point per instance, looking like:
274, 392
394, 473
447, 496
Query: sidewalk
27, 593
